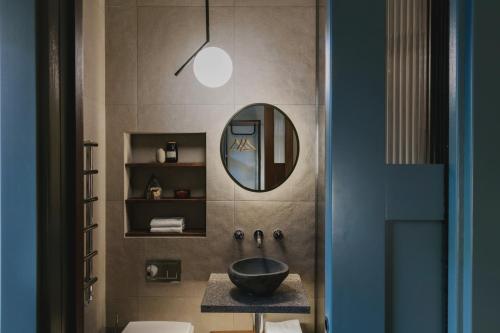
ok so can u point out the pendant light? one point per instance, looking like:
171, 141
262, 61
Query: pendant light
212, 66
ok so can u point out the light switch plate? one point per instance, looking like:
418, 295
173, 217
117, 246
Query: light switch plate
163, 270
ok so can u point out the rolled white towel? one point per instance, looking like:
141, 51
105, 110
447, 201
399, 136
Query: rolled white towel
289, 326
167, 222
177, 230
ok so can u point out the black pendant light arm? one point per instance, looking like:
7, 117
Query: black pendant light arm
207, 27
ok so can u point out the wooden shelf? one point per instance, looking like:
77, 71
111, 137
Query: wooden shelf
163, 200
147, 233
165, 165
190, 172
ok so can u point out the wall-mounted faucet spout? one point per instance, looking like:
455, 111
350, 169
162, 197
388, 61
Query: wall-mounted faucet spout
258, 235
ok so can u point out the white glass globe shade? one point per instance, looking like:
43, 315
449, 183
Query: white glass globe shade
213, 67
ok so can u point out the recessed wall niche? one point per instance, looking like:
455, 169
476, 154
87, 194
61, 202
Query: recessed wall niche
188, 173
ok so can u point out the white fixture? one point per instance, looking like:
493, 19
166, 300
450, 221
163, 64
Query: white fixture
290, 326
213, 67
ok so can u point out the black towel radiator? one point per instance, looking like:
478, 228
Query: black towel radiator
89, 199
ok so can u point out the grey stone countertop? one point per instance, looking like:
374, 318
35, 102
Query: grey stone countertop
222, 296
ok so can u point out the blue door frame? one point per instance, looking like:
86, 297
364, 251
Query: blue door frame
354, 289
459, 283
473, 272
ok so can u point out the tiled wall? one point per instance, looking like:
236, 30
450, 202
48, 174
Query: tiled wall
94, 128
272, 45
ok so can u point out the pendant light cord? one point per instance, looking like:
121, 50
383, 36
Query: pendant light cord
207, 27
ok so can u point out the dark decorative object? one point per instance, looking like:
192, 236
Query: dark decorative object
153, 190
258, 276
182, 194
172, 152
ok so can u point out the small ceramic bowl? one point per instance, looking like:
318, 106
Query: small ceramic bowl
182, 194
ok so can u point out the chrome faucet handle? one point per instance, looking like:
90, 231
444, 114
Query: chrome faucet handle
278, 234
239, 235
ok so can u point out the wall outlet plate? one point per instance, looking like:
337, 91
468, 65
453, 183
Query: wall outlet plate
163, 270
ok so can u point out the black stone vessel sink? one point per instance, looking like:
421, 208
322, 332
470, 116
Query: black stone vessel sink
258, 276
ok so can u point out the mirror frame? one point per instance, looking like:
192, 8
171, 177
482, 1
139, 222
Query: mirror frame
221, 148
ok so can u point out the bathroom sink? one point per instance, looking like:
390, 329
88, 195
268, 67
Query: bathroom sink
258, 276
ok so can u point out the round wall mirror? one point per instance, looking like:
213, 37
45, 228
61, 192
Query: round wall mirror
259, 147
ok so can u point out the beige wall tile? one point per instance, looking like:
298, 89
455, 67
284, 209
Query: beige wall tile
321, 56
94, 127
121, 55
207, 118
125, 308
168, 308
120, 3
94, 62
125, 262
220, 222
219, 185
213, 3
320, 314
209, 322
275, 55
119, 119
269, 3
168, 36
185, 288
243, 321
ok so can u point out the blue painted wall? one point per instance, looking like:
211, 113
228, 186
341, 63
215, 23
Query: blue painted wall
18, 166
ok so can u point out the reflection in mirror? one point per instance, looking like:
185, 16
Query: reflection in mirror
259, 147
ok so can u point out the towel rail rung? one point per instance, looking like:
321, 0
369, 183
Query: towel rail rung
90, 256
87, 284
90, 227
89, 200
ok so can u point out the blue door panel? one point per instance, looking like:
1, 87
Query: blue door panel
416, 277
415, 192
365, 197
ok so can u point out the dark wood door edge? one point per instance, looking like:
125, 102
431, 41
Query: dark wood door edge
59, 165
